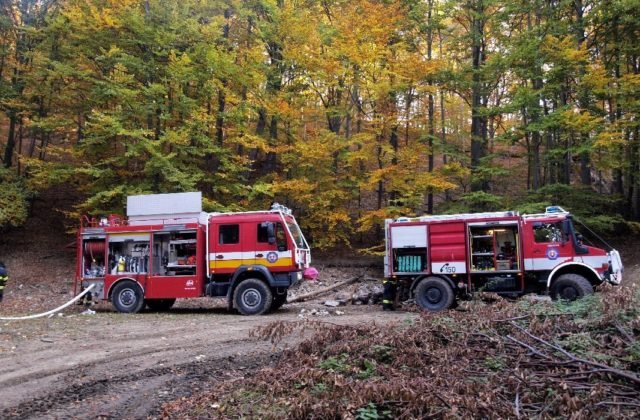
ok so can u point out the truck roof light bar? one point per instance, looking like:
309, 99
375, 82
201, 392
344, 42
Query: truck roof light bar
549, 211
279, 207
555, 209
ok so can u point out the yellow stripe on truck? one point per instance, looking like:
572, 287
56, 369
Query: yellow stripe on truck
282, 262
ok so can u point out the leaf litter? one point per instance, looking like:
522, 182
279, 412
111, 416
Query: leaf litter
500, 359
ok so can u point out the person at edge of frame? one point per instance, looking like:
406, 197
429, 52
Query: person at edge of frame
4, 277
388, 294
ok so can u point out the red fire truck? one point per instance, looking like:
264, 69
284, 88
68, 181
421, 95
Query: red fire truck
167, 248
441, 258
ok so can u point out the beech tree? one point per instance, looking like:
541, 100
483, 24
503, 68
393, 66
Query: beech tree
348, 111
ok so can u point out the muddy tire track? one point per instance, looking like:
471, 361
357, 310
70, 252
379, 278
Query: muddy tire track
118, 366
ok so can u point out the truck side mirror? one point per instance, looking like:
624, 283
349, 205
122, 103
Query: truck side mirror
271, 233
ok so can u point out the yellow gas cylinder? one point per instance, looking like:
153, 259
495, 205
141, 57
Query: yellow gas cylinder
121, 263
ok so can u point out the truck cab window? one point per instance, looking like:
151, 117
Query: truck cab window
548, 232
281, 237
263, 231
229, 234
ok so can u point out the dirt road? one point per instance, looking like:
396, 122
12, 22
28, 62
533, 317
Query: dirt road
112, 365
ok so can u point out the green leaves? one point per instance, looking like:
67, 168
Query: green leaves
348, 111
13, 200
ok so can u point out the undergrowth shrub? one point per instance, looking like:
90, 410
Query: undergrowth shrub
14, 197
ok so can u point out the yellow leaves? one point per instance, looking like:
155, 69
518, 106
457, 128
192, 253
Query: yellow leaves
630, 86
455, 169
285, 110
610, 140
564, 51
329, 42
380, 175
104, 17
580, 121
410, 175
176, 137
368, 23
119, 74
433, 181
373, 218
250, 141
609, 148
301, 188
597, 78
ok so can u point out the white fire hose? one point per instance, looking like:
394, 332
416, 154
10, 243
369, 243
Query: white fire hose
51, 312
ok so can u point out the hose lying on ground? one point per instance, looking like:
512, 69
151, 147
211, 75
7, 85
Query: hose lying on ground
53, 311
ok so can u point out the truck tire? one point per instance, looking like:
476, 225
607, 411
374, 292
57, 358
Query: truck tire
127, 297
570, 287
434, 294
278, 301
160, 304
252, 297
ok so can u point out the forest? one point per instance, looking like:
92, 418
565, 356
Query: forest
347, 111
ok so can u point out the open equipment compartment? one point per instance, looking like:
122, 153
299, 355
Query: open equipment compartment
129, 253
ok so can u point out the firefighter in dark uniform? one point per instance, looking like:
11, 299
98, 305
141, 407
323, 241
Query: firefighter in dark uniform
4, 277
388, 294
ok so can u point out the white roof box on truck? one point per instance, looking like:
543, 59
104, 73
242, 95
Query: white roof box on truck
164, 208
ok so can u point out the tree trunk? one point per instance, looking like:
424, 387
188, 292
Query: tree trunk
478, 104
11, 141
431, 108
536, 139
584, 101
220, 116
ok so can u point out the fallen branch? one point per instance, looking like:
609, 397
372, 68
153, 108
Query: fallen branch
511, 319
622, 403
531, 349
605, 369
315, 293
529, 316
625, 334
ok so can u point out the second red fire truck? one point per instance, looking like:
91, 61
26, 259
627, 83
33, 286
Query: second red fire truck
168, 248
444, 258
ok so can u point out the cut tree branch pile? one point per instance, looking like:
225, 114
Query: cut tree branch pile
500, 360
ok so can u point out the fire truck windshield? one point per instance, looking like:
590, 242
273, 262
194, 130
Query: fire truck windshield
298, 239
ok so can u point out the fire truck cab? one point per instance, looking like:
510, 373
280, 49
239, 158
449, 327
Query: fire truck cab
443, 258
168, 248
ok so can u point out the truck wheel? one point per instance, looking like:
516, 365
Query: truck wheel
252, 297
160, 304
570, 287
278, 301
127, 297
434, 294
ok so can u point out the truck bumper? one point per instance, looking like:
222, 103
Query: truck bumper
614, 276
287, 279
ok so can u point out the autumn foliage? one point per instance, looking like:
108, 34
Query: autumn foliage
347, 111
